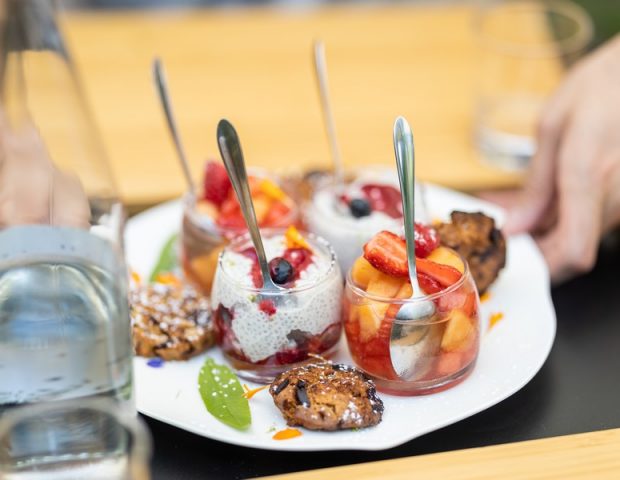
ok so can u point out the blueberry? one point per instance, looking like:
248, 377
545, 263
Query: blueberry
360, 207
281, 270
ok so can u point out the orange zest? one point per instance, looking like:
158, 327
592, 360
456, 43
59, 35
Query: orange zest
485, 297
494, 319
286, 434
270, 189
168, 279
135, 277
294, 239
249, 393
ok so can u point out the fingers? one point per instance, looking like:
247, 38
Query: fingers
530, 211
571, 246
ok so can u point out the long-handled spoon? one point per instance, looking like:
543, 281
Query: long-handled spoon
230, 149
162, 90
408, 339
320, 69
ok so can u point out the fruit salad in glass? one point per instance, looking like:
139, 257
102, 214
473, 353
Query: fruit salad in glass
263, 333
213, 219
349, 215
444, 346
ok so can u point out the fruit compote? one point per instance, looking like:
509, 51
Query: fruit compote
349, 215
211, 221
444, 346
263, 333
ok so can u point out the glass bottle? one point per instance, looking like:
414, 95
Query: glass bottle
64, 320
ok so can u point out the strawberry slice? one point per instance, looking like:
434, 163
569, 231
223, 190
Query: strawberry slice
445, 275
216, 183
387, 252
426, 240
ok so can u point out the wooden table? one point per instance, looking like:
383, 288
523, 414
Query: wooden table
582, 456
254, 67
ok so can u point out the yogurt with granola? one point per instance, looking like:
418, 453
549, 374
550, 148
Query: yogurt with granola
263, 333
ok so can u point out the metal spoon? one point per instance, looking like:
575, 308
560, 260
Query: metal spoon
162, 90
230, 149
409, 338
320, 69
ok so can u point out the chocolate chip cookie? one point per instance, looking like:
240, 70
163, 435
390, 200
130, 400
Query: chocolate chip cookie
170, 321
327, 396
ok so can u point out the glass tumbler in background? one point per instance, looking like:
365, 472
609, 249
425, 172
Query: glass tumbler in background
64, 316
525, 47
73, 440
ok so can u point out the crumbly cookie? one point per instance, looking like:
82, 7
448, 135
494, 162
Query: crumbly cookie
170, 321
476, 238
327, 396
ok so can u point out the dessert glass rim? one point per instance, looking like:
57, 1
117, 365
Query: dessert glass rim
401, 301
267, 233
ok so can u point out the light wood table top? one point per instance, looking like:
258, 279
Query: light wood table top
253, 66
593, 455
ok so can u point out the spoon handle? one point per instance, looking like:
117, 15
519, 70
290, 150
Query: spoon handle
230, 149
162, 91
405, 163
320, 69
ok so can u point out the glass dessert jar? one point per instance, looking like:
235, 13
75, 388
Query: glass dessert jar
211, 221
264, 333
348, 215
443, 347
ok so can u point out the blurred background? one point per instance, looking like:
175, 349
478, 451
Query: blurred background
250, 61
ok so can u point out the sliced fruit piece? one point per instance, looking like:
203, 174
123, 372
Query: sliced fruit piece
363, 272
444, 274
384, 285
462, 299
459, 333
428, 284
207, 208
294, 239
277, 213
272, 190
203, 269
370, 316
405, 291
387, 252
448, 363
447, 256
426, 240
262, 205
216, 183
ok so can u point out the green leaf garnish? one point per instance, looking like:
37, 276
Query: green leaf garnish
222, 394
167, 261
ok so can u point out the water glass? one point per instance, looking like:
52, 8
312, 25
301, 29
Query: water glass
73, 440
525, 47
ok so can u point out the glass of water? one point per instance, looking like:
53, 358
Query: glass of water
73, 440
64, 320
525, 47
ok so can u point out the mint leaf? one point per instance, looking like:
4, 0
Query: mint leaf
222, 394
167, 261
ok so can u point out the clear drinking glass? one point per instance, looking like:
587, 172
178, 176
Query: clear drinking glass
264, 333
445, 345
64, 319
525, 48
73, 440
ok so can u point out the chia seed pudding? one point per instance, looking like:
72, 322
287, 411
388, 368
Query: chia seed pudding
263, 334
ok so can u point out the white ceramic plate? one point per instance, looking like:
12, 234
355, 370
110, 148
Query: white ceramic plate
510, 355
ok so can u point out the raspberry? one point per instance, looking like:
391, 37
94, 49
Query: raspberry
426, 240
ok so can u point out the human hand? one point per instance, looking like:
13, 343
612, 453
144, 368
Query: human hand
32, 189
572, 193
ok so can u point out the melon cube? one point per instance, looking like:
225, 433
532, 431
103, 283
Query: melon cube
362, 272
459, 333
370, 316
383, 285
447, 256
